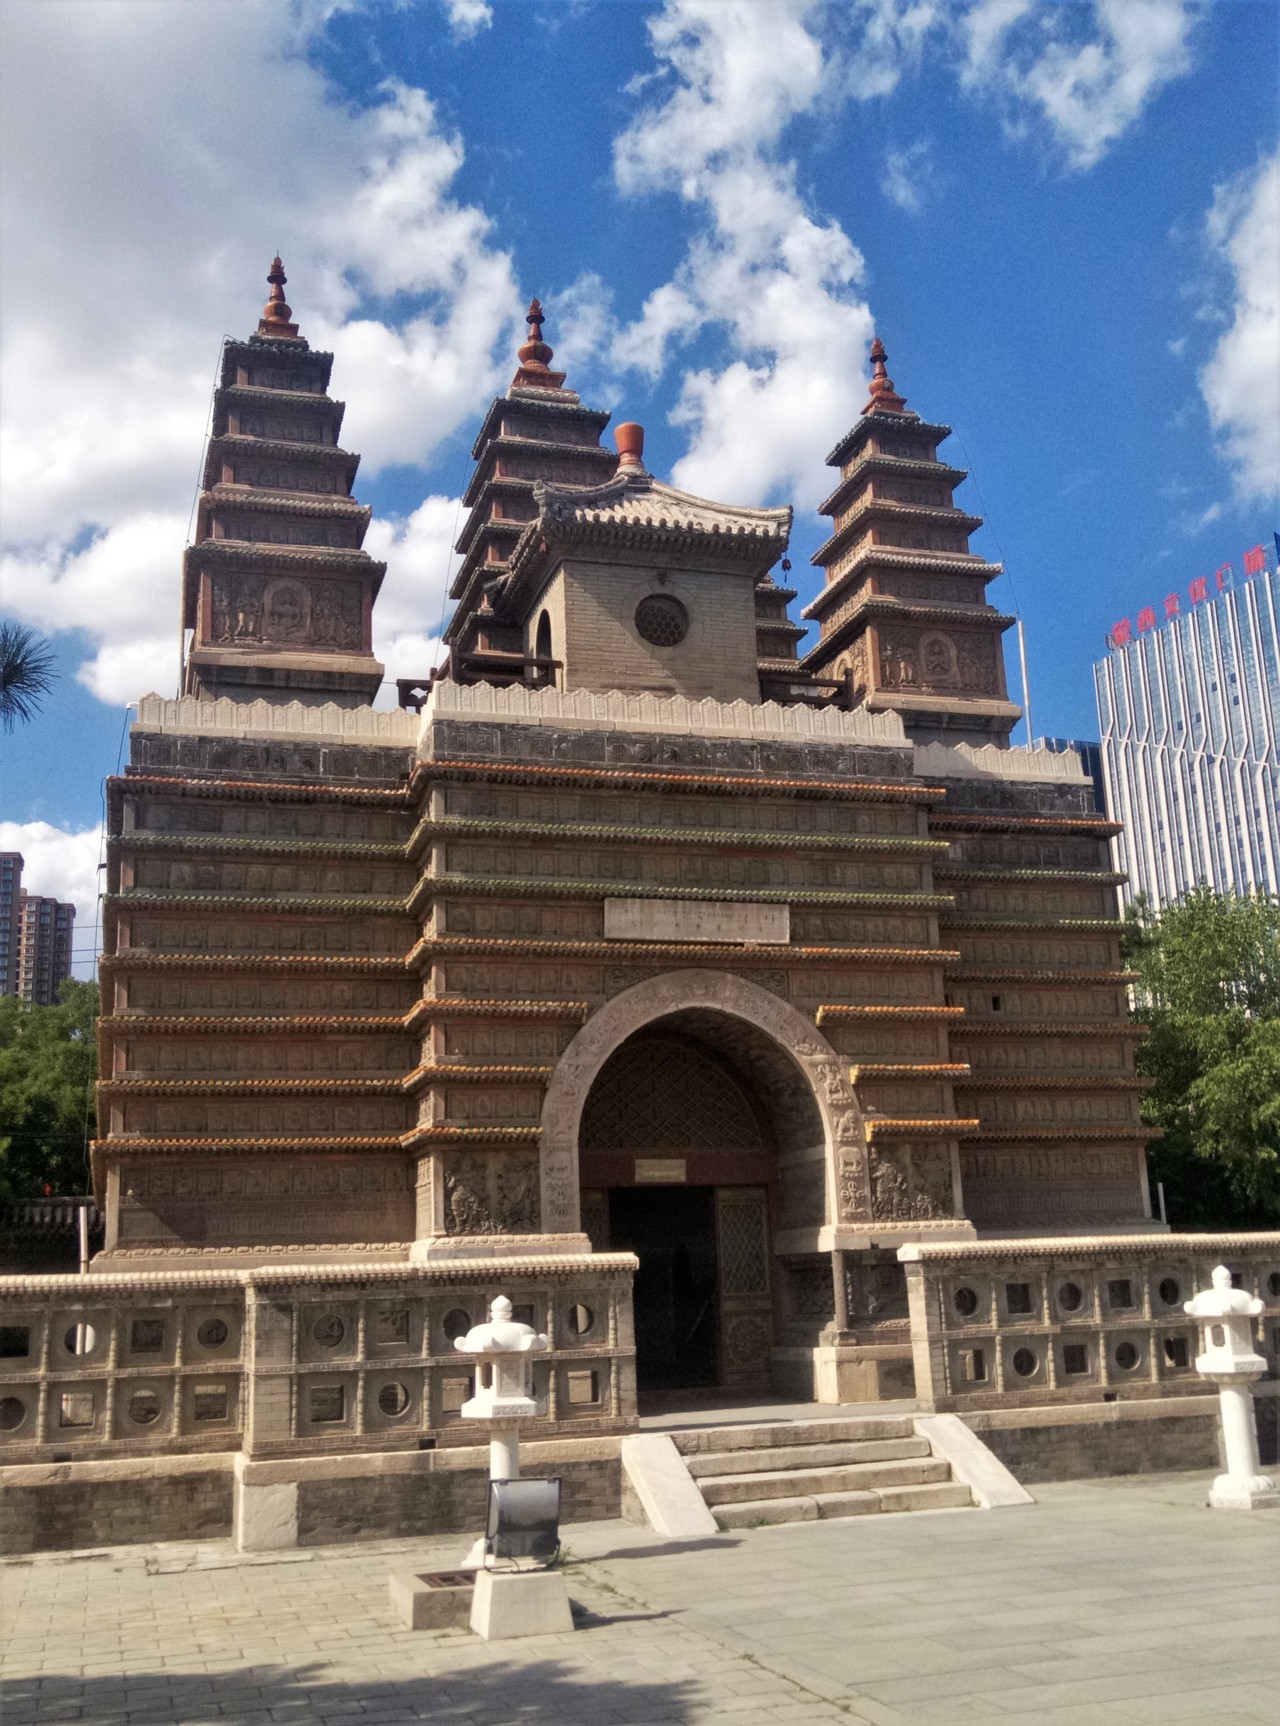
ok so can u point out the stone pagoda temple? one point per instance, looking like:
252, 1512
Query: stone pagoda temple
754, 1022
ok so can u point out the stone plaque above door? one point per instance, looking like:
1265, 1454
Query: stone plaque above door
717, 920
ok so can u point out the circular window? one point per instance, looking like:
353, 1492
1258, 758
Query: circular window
1025, 1362
212, 1333
329, 1330
662, 620
581, 1319
456, 1323
80, 1339
393, 1399
144, 1407
1070, 1297
1169, 1292
1125, 1356
966, 1302
12, 1413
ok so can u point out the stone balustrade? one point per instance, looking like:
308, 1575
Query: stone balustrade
286, 1360
1003, 1323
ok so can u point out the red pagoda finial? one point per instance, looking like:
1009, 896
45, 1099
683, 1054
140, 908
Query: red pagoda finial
535, 355
534, 371
884, 398
276, 314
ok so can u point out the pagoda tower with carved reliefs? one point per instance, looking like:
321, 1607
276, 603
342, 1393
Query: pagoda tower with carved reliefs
537, 431
277, 591
903, 618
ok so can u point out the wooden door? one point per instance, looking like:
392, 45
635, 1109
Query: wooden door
746, 1307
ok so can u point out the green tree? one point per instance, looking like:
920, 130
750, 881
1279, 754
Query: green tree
26, 673
1209, 988
48, 1062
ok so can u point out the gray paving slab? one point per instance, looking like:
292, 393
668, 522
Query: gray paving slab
1112, 1603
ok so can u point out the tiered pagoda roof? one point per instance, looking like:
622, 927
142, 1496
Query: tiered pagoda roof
277, 590
903, 617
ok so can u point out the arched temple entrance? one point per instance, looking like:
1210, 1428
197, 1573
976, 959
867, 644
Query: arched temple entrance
704, 1116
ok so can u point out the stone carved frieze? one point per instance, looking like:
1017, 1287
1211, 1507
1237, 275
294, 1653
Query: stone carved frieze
249, 610
493, 1193
909, 1186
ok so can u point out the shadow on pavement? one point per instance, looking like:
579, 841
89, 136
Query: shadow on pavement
493, 1693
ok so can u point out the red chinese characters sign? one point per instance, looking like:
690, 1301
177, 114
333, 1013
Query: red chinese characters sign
1123, 632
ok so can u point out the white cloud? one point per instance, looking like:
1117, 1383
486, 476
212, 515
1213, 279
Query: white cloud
61, 864
1086, 74
1241, 382
908, 176
411, 608
185, 153
772, 280
468, 17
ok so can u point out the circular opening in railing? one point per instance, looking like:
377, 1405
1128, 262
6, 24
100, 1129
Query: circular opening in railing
144, 1407
581, 1319
1169, 1291
965, 1301
661, 620
1125, 1356
212, 1333
393, 1399
1026, 1363
1071, 1297
456, 1323
328, 1330
80, 1339
12, 1413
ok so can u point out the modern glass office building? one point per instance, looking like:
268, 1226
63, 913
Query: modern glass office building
1189, 714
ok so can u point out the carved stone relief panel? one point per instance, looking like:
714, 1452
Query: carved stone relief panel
494, 1192
285, 611
911, 1183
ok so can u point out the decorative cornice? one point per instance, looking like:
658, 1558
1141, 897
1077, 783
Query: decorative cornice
907, 1070
205, 1025
133, 959
278, 904
120, 1145
266, 500
999, 872
644, 779
983, 821
254, 790
1084, 1134
432, 947
139, 839
893, 465
1124, 1029
833, 1014
457, 1074
716, 838
538, 887
900, 557
127, 1086
883, 1127
1011, 974
252, 554
971, 920
441, 1009
896, 425
1068, 1247
1053, 1079
441, 1138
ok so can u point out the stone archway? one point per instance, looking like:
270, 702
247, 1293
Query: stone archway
707, 995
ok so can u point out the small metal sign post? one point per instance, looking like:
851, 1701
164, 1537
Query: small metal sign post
1226, 1315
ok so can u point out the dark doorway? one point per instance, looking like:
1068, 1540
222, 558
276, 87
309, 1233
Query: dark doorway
672, 1232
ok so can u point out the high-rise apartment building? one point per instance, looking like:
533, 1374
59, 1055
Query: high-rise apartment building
10, 921
44, 947
1189, 711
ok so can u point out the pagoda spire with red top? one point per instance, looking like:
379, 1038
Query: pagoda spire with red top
904, 623
278, 590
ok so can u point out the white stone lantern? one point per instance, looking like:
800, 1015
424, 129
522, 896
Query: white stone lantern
1228, 1359
504, 1383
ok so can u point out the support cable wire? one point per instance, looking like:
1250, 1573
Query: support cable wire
1013, 591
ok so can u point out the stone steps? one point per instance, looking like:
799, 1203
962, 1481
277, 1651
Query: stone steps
809, 1471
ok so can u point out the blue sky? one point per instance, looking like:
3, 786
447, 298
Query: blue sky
1062, 219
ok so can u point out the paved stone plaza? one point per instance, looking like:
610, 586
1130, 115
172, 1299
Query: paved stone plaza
1106, 1602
